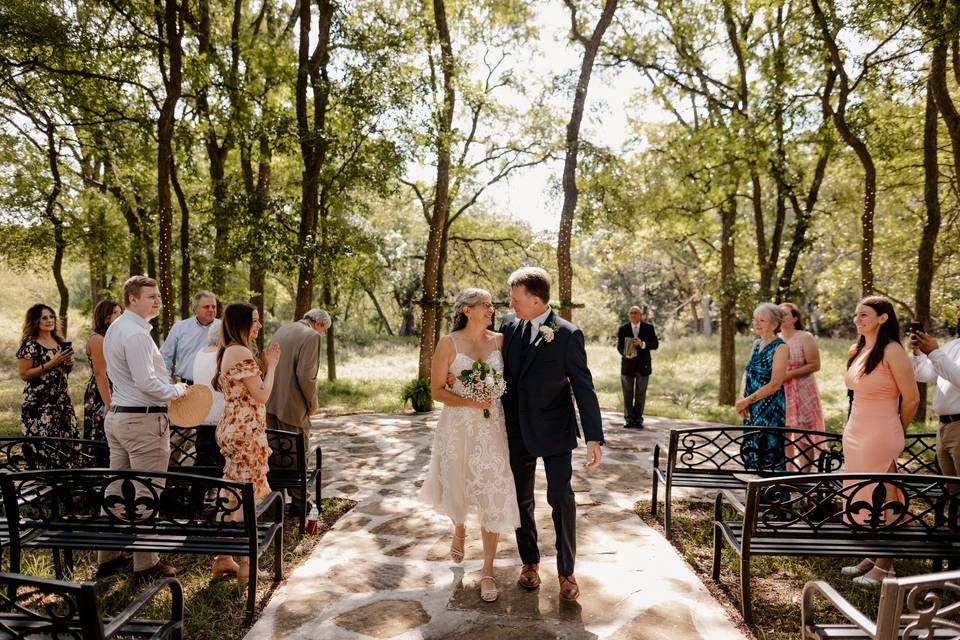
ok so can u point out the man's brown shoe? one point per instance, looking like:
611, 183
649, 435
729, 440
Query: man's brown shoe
159, 570
568, 588
529, 576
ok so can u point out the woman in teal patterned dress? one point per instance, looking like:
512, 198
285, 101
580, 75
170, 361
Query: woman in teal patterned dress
762, 401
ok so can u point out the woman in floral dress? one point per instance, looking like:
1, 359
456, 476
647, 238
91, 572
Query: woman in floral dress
45, 361
242, 432
762, 402
96, 398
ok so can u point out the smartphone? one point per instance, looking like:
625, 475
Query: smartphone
915, 327
66, 346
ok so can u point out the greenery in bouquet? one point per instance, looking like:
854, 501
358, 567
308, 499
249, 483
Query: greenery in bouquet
482, 382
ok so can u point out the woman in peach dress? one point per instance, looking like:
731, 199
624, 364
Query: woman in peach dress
804, 410
885, 399
242, 431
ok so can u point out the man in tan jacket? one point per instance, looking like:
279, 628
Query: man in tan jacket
294, 397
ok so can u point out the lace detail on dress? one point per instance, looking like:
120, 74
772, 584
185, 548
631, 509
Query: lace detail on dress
470, 463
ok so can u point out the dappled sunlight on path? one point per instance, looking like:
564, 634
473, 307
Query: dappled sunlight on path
383, 571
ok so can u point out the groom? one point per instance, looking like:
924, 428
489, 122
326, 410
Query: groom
544, 359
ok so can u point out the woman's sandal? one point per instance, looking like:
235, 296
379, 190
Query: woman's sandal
457, 554
856, 570
489, 595
867, 581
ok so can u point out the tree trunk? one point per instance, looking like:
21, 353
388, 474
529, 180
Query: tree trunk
257, 201
172, 31
570, 193
186, 303
331, 334
380, 314
441, 206
931, 228
50, 213
859, 147
728, 300
941, 95
763, 258
312, 69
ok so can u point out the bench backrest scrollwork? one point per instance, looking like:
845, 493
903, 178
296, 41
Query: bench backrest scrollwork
921, 605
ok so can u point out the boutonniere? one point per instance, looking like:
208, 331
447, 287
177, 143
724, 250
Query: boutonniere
548, 331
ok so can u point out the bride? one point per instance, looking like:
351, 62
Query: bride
470, 465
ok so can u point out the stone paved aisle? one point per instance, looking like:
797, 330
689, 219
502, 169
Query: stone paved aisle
383, 571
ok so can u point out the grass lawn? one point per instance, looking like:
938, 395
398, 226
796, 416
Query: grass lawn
777, 582
683, 384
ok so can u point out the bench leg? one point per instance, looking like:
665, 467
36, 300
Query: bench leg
653, 494
717, 542
745, 605
57, 564
667, 513
303, 510
278, 557
252, 590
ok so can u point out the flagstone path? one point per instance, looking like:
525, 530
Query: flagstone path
383, 570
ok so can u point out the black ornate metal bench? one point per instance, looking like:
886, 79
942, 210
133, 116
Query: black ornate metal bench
288, 462
886, 515
925, 606
710, 458
107, 509
36, 608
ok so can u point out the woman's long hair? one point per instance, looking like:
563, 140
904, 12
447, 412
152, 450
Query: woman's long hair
101, 315
469, 297
235, 329
31, 324
888, 332
795, 312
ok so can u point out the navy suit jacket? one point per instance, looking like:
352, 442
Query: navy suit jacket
538, 406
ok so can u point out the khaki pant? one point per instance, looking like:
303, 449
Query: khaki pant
274, 422
138, 441
948, 449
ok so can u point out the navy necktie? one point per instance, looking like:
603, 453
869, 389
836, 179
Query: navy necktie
525, 335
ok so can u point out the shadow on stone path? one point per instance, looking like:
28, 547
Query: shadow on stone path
383, 570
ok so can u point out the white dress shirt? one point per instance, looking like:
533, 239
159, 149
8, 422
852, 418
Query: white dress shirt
204, 366
536, 323
636, 329
135, 366
943, 367
186, 338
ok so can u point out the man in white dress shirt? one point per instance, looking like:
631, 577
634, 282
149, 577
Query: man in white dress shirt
137, 428
933, 363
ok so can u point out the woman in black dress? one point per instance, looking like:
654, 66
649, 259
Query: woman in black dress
45, 360
96, 398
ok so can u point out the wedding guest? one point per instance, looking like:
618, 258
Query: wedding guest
933, 363
885, 399
204, 367
762, 402
96, 398
803, 398
470, 461
294, 397
188, 336
45, 360
137, 428
635, 340
242, 432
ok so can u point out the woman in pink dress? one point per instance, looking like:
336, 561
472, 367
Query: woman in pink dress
803, 397
885, 398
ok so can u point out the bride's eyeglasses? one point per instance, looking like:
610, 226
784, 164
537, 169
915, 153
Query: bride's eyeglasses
485, 305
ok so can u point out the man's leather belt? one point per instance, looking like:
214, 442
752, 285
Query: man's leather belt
139, 409
951, 418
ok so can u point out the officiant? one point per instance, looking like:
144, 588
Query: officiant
635, 340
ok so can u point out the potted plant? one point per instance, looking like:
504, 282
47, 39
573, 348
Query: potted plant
417, 393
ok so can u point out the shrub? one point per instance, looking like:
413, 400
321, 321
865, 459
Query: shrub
417, 392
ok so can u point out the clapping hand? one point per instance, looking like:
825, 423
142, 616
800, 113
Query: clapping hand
272, 355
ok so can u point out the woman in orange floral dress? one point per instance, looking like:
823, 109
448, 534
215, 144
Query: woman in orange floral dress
242, 432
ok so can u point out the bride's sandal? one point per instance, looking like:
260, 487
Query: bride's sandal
457, 554
489, 595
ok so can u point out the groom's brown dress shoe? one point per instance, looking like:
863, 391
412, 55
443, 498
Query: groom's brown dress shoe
568, 588
529, 577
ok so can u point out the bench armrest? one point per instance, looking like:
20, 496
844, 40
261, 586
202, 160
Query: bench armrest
268, 501
117, 623
734, 501
848, 611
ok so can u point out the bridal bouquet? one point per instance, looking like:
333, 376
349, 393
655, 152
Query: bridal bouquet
482, 382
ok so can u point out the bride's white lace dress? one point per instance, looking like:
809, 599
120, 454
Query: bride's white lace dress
470, 463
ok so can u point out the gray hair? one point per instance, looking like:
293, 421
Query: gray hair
318, 316
469, 297
773, 311
213, 333
200, 295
